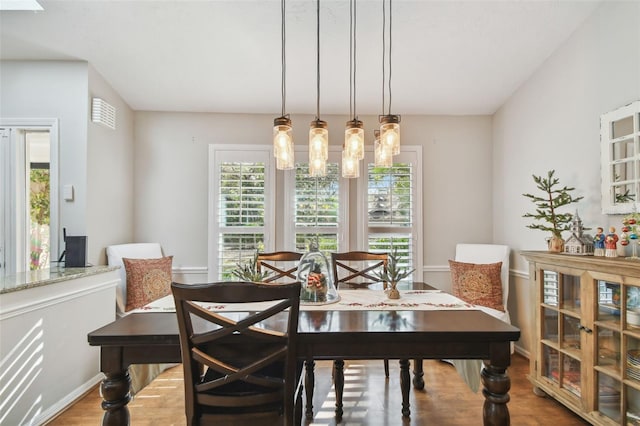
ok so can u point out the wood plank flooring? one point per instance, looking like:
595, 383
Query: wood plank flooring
369, 400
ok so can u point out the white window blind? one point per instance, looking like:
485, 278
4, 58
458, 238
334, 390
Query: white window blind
317, 208
389, 206
242, 221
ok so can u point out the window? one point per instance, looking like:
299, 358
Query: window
240, 207
392, 207
319, 207
620, 166
28, 195
244, 217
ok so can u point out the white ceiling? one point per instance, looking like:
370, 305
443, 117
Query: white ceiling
449, 57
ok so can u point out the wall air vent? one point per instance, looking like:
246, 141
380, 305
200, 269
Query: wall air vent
103, 113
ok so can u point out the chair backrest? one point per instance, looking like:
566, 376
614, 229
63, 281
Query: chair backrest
282, 265
248, 358
355, 268
116, 253
487, 253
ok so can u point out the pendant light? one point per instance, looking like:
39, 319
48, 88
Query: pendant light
282, 131
389, 123
353, 148
318, 132
382, 153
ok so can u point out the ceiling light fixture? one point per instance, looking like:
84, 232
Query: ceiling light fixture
353, 148
318, 132
389, 123
282, 131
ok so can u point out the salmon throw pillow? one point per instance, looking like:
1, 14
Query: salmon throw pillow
147, 280
479, 284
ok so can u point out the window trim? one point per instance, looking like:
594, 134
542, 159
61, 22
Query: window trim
7, 152
219, 153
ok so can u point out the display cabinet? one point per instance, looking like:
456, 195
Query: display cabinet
586, 348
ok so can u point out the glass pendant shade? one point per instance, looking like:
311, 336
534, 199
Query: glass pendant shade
382, 153
390, 132
317, 167
350, 165
315, 276
318, 140
285, 159
354, 139
283, 143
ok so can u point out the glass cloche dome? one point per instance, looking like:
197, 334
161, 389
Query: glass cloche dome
317, 280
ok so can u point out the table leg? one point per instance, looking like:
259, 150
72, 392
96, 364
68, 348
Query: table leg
496, 393
115, 397
338, 383
418, 374
405, 386
309, 383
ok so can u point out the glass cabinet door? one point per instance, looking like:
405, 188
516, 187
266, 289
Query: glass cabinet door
561, 331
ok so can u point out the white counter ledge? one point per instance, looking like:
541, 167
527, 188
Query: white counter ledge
31, 279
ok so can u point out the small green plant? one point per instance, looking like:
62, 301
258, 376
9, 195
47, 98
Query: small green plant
394, 272
249, 271
547, 205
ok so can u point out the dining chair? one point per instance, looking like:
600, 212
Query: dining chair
241, 365
355, 268
140, 374
482, 254
282, 265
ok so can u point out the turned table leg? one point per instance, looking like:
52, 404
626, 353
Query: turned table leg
496, 393
309, 383
338, 383
405, 386
115, 397
418, 374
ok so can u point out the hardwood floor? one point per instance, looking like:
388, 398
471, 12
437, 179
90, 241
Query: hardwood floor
369, 400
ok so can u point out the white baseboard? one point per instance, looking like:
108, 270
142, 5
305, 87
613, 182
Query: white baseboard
59, 407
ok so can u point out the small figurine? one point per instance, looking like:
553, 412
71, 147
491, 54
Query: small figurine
610, 243
598, 242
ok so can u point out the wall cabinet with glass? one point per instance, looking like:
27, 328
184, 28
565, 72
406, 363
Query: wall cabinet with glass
586, 349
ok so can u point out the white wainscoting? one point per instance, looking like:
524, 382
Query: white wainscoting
45, 360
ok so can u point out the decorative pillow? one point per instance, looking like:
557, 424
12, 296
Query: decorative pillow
147, 280
479, 284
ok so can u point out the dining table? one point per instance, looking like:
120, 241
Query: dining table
405, 329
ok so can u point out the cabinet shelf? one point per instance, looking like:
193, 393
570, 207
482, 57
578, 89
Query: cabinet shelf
584, 350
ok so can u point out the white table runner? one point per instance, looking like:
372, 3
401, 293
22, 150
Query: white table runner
350, 300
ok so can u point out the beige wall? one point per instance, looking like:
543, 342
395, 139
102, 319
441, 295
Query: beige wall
552, 122
171, 178
110, 177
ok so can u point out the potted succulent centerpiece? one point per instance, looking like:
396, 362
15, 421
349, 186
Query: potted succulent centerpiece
393, 274
547, 205
249, 271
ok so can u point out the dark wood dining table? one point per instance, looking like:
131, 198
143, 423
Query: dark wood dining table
145, 338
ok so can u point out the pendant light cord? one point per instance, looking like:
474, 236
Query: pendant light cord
352, 58
390, 23
318, 59
384, 51
384, 41
284, 62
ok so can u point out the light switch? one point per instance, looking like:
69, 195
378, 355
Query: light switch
67, 192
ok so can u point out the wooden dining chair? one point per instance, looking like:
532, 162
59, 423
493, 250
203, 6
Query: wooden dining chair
239, 366
355, 268
282, 265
